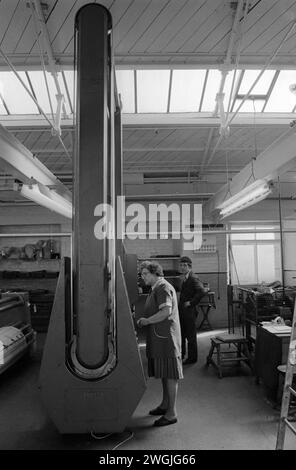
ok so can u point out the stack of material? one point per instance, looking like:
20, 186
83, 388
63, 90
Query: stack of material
41, 302
12, 345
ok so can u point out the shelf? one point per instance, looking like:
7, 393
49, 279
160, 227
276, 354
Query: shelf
30, 265
158, 258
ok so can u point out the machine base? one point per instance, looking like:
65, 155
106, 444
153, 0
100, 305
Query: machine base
102, 406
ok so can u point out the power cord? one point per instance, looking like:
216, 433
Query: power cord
104, 436
99, 438
123, 442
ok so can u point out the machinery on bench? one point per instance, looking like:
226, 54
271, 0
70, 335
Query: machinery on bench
17, 337
91, 373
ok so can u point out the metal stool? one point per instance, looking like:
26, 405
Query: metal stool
241, 349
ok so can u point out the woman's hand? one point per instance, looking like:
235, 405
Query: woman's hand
143, 322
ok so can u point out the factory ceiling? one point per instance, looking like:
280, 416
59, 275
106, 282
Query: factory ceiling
206, 85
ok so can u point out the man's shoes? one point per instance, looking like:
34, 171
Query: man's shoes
189, 361
157, 411
164, 421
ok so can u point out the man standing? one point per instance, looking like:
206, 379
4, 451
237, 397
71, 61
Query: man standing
192, 291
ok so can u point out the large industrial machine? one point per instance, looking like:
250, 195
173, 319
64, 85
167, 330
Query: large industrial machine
91, 374
17, 336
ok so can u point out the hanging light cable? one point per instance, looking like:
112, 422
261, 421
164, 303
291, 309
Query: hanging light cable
246, 96
254, 158
42, 59
239, 48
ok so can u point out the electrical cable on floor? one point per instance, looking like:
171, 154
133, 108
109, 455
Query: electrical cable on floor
99, 438
104, 436
126, 440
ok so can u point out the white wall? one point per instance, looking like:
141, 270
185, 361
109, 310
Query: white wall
206, 265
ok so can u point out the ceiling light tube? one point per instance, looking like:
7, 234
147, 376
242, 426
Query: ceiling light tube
247, 197
47, 198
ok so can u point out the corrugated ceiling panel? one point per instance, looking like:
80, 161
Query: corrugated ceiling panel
192, 27
28, 43
118, 9
7, 9
155, 138
289, 44
171, 9
175, 25
273, 28
43, 140
214, 35
17, 24
182, 138
56, 20
135, 139
145, 19
207, 20
127, 136
131, 16
64, 30
257, 21
32, 138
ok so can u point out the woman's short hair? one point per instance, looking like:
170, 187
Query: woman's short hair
153, 267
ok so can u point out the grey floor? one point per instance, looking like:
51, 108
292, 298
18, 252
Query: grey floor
229, 413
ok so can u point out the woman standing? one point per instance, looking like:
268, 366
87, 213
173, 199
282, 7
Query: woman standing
163, 344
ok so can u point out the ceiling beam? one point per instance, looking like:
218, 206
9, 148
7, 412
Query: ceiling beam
160, 120
175, 149
23, 61
18, 161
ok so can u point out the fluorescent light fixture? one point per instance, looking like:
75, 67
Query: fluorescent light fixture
248, 196
47, 197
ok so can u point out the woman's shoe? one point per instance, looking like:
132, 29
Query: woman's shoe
158, 411
164, 421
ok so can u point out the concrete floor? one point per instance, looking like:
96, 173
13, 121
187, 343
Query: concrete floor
229, 413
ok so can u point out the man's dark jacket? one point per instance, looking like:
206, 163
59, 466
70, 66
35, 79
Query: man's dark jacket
192, 290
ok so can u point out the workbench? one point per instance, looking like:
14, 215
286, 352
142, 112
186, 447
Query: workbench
271, 350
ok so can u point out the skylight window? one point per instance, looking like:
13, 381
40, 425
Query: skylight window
282, 99
250, 106
152, 88
263, 85
158, 91
212, 88
69, 77
228, 86
126, 87
14, 94
39, 86
186, 92
2, 107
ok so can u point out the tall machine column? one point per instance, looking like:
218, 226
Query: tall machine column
91, 374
